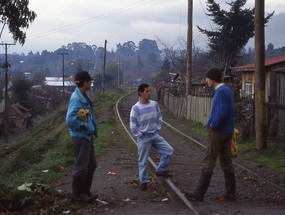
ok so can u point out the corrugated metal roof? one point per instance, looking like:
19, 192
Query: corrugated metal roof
57, 81
268, 62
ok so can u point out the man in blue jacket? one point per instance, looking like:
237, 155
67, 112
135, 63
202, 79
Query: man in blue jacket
81, 122
220, 129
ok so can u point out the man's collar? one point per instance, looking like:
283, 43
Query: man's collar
219, 85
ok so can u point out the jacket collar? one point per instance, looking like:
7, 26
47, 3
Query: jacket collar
80, 95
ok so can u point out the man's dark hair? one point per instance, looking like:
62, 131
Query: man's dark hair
142, 87
81, 77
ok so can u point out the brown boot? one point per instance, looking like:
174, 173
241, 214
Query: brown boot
143, 186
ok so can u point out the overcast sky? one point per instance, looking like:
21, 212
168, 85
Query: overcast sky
60, 22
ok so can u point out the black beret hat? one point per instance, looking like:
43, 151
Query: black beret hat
81, 77
215, 74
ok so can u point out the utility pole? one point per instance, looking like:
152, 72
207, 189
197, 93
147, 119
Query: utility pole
63, 73
123, 65
88, 60
119, 66
260, 108
103, 69
5, 66
189, 47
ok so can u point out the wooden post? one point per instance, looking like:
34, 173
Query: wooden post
63, 92
189, 47
119, 65
260, 108
5, 66
103, 70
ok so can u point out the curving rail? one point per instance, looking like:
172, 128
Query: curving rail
169, 184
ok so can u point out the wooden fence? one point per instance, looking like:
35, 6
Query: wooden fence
194, 108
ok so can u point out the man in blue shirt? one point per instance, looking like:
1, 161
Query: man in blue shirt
81, 123
220, 129
145, 124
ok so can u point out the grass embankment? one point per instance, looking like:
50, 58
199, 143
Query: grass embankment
273, 157
47, 152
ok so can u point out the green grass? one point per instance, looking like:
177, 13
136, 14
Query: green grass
273, 157
103, 102
105, 128
198, 128
49, 147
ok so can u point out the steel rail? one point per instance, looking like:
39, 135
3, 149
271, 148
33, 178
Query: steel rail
235, 163
170, 184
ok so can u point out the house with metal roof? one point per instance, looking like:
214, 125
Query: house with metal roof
274, 89
274, 78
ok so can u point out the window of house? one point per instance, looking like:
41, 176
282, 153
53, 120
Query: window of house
248, 87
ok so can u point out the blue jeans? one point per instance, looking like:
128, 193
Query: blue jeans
144, 145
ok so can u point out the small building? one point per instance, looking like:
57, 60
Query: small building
274, 78
274, 89
18, 115
57, 83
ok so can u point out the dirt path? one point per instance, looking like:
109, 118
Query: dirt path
254, 196
124, 197
121, 190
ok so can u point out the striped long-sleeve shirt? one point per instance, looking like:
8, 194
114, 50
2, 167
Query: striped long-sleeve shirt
145, 118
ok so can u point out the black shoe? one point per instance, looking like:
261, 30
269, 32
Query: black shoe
143, 186
95, 196
165, 174
78, 189
83, 198
194, 196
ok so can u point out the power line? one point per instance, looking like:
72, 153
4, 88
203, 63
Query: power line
206, 14
94, 19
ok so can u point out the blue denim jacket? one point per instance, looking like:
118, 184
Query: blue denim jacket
76, 102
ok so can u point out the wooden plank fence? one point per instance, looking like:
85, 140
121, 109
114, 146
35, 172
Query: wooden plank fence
194, 108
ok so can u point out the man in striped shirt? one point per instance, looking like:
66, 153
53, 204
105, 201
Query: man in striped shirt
145, 124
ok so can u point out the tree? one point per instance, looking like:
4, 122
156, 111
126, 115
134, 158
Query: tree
235, 28
269, 50
177, 54
165, 65
20, 89
17, 16
38, 78
147, 47
128, 49
111, 75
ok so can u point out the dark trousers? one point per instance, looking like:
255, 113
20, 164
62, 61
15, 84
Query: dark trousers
218, 145
85, 163
157, 96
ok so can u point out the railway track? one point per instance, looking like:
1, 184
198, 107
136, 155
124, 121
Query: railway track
255, 194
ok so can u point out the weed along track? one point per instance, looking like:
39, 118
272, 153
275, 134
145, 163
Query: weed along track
255, 195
